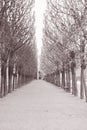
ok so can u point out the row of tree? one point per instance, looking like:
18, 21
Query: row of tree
65, 44
18, 59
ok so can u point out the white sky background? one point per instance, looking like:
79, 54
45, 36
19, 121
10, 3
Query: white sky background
40, 6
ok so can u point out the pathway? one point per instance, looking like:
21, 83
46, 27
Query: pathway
42, 106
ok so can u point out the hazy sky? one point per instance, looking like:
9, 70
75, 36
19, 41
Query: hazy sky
40, 6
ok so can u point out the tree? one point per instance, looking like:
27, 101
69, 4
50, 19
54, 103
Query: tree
16, 34
66, 29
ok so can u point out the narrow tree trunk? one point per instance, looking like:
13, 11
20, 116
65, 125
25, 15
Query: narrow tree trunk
81, 85
3, 80
63, 78
18, 80
58, 79
13, 76
0, 78
74, 84
10, 77
68, 80
13, 82
5, 83
85, 87
83, 67
73, 66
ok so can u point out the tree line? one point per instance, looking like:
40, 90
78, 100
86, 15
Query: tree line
65, 44
18, 58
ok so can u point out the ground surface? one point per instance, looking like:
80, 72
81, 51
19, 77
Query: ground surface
42, 106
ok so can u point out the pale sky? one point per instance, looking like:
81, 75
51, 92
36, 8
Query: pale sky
40, 6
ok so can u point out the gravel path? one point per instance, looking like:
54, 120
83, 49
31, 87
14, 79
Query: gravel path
42, 106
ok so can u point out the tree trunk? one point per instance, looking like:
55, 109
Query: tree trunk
81, 85
13, 82
74, 84
10, 71
19, 80
63, 78
58, 79
5, 83
83, 67
85, 88
73, 66
68, 80
3, 80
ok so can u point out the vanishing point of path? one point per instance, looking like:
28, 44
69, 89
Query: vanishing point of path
42, 106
